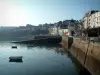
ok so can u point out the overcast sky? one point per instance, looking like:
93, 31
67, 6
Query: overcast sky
22, 12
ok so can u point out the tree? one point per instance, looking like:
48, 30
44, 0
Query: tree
29, 25
60, 23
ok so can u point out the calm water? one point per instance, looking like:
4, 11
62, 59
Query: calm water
37, 60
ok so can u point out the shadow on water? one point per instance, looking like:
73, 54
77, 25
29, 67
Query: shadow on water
79, 68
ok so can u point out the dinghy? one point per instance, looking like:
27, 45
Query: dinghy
15, 58
14, 46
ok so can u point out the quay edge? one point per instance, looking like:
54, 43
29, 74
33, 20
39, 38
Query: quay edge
42, 40
87, 53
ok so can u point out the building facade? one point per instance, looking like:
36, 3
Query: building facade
63, 30
91, 19
53, 30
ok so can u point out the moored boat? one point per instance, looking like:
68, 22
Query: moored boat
14, 46
15, 58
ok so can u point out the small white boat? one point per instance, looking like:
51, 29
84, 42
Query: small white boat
15, 58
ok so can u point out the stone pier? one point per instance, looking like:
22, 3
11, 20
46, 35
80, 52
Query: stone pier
87, 53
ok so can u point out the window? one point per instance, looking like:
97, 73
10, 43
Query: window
96, 18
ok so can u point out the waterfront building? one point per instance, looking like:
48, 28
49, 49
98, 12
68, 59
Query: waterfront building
63, 27
74, 27
53, 30
91, 19
63, 30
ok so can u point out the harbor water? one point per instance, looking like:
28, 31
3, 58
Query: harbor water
37, 60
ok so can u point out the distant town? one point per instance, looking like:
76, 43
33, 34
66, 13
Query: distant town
66, 27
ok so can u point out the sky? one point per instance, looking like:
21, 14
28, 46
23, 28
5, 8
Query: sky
22, 12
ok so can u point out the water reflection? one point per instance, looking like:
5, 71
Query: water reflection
43, 45
60, 50
17, 61
79, 68
57, 48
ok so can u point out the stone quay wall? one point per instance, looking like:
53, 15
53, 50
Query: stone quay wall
87, 53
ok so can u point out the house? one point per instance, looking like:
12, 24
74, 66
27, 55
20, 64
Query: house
63, 30
53, 30
91, 19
